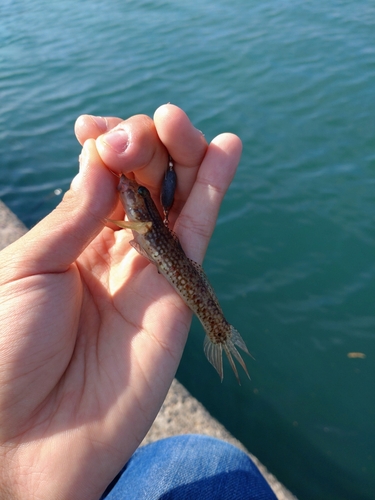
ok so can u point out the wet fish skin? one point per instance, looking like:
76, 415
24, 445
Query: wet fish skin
160, 245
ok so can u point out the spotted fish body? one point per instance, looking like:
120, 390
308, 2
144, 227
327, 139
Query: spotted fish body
159, 245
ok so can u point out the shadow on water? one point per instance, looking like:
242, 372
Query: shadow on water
303, 463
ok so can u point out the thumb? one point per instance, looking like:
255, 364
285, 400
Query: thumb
56, 242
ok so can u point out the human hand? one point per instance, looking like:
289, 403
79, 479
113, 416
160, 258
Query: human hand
91, 334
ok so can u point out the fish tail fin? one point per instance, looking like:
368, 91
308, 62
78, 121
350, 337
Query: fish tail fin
230, 348
213, 351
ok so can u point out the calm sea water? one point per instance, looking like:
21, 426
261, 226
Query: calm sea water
292, 257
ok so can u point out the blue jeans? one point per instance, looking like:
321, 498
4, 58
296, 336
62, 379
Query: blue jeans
189, 467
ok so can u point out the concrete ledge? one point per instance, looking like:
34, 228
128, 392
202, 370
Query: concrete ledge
181, 413
11, 228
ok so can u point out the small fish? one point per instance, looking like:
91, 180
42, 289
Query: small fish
160, 245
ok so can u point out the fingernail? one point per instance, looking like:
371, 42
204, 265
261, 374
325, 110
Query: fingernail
100, 122
118, 140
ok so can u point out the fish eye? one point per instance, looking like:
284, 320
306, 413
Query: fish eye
142, 191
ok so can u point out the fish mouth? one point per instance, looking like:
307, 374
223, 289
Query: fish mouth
126, 184
127, 189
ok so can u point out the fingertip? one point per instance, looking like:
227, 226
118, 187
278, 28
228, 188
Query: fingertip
88, 126
171, 116
230, 143
91, 126
165, 110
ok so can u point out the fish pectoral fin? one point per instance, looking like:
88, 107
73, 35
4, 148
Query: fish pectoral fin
175, 237
140, 250
138, 227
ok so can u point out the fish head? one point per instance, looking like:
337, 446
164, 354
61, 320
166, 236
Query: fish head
133, 198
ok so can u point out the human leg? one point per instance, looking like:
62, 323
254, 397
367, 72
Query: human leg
190, 467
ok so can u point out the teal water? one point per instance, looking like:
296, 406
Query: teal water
293, 255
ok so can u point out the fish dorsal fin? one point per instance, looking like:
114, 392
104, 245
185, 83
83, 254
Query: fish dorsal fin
203, 276
174, 236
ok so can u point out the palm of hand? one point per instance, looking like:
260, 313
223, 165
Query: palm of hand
112, 302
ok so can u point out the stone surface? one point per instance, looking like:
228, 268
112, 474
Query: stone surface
180, 413
11, 228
